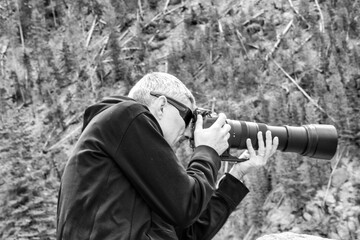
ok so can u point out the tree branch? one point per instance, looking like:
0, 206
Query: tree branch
162, 14
240, 37
253, 17
322, 25
91, 32
302, 44
202, 66
166, 5
20, 28
297, 13
228, 9
280, 37
337, 158
46, 150
141, 12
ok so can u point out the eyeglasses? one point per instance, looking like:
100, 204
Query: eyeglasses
185, 112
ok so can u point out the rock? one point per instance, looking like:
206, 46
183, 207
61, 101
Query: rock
291, 236
339, 177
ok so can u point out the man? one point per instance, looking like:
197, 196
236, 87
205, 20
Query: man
123, 180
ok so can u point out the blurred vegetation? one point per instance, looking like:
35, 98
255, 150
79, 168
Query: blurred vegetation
278, 62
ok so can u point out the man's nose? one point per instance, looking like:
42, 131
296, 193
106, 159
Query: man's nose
188, 133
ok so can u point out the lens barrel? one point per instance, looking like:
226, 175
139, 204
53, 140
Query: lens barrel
313, 140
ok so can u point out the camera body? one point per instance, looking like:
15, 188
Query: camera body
313, 140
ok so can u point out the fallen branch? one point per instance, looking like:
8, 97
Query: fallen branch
131, 49
54, 14
48, 140
127, 40
123, 36
253, 17
91, 32
3, 49
229, 9
297, 13
304, 92
159, 59
105, 40
322, 24
338, 157
62, 140
280, 37
20, 28
240, 37
221, 31
166, 5
175, 25
74, 119
202, 66
302, 44
250, 233
141, 12
162, 14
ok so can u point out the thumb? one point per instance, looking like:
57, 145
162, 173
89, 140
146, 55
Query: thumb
199, 122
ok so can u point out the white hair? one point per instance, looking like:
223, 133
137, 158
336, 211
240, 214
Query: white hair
163, 83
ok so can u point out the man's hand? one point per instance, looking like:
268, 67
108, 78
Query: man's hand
255, 160
216, 136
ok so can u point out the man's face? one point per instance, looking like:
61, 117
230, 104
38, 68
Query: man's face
173, 125
173, 116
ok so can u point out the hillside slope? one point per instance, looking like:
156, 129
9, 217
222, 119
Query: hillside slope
278, 62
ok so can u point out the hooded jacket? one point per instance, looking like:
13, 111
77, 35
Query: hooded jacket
123, 181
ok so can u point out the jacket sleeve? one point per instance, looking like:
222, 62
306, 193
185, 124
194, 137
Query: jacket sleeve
150, 164
223, 202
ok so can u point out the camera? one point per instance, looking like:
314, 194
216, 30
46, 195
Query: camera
313, 140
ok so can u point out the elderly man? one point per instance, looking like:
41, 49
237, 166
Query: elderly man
124, 181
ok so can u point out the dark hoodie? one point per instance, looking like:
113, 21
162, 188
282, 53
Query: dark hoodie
123, 181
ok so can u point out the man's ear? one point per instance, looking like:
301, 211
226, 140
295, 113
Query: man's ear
157, 107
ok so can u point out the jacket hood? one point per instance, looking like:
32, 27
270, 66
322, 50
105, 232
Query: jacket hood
97, 108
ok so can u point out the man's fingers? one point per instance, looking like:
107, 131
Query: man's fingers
226, 128
250, 147
227, 136
268, 143
199, 122
220, 121
261, 143
275, 145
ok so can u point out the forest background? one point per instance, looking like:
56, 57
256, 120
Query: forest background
289, 62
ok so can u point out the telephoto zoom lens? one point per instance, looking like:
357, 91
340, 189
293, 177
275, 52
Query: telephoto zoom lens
313, 140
